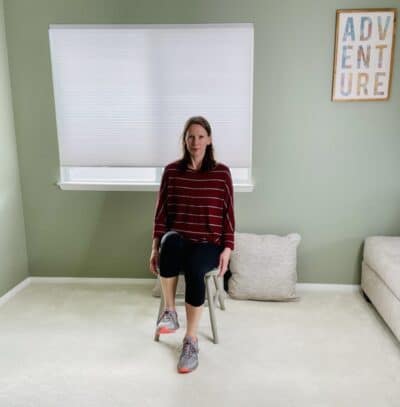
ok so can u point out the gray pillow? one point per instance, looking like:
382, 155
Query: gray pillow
264, 267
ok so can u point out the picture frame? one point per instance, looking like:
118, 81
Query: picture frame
363, 54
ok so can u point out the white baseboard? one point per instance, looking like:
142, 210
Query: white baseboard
92, 280
150, 282
129, 281
9, 294
77, 280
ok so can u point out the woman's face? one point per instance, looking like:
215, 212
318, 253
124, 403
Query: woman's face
197, 140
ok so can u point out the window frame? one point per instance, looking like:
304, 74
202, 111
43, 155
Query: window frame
68, 183
127, 183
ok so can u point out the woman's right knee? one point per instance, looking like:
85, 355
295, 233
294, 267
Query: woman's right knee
171, 252
171, 240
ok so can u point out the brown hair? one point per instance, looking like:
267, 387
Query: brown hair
208, 161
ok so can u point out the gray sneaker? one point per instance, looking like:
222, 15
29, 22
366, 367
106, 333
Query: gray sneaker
168, 322
189, 358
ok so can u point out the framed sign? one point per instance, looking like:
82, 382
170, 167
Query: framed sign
363, 59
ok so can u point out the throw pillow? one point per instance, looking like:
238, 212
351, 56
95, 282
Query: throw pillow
264, 267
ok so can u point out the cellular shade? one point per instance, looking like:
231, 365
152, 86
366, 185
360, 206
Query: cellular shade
123, 92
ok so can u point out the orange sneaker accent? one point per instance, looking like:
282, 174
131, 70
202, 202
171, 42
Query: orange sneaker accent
184, 370
165, 330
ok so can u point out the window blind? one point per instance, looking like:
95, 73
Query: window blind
123, 92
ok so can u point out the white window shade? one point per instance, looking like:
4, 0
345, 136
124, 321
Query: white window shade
123, 93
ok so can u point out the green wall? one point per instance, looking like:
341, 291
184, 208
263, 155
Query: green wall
13, 256
326, 170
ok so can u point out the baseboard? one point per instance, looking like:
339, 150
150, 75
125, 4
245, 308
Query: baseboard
92, 280
150, 282
111, 280
9, 294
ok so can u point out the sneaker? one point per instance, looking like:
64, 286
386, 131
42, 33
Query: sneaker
168, 322
189, 358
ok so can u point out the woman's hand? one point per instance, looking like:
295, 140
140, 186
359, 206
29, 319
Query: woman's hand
223, 261
154, 257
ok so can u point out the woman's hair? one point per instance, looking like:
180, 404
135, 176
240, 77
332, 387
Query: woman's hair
208, 161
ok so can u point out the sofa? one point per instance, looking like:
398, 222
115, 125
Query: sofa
380, 278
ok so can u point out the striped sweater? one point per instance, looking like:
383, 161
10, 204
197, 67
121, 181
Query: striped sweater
197, 205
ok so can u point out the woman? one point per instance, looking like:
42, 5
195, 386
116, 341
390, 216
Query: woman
193, 231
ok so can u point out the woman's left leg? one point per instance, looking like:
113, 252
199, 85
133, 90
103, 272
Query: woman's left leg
200, 259
193, 315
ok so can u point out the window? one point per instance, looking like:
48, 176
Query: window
122, 94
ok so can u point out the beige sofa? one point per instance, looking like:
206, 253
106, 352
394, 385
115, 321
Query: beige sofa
380, 278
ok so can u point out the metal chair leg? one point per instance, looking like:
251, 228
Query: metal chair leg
211, 309
220, 291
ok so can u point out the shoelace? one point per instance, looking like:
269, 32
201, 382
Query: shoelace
167, 315
188, 349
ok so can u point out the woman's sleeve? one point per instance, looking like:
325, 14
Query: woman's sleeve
160, 217
228, 227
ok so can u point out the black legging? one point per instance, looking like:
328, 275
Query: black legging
178, 254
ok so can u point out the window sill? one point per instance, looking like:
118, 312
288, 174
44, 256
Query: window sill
128, 186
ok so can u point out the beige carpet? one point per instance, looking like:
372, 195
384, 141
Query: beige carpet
92, 345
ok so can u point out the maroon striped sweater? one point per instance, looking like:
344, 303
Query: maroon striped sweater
197, 205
